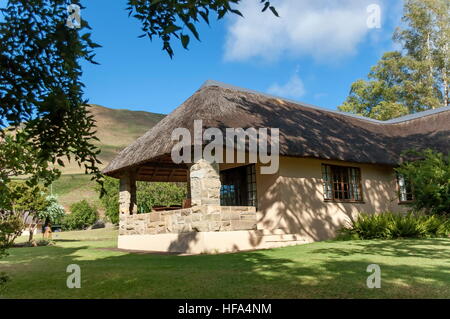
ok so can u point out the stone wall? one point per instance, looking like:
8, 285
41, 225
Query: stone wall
205, 218
205, 183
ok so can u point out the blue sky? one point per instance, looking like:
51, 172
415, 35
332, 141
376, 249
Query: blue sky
312, 53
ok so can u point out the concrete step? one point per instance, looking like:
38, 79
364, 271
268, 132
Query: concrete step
283, 244
265, 232
284, 237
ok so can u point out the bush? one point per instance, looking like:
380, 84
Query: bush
392, 226
407, 226
110, 200
148, 195
11, 226
430, 179
82, 216
159, 194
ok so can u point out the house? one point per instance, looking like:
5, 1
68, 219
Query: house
332, 166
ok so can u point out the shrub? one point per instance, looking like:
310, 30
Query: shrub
368, 227
406, 226
430, 179
53, 212
148, 195
155, 194
110, 200
391, 226
11, 226
437, 226
82, 216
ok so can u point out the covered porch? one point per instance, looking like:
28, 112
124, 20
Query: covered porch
217, 200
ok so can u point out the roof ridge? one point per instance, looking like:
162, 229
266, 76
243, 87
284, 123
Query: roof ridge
397, 120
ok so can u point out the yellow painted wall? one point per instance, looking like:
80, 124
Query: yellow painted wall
293, 201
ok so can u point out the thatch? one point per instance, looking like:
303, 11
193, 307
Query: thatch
305, 131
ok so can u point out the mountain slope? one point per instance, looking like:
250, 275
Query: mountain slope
116, 129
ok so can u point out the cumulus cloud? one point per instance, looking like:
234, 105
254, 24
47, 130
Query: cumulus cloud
293, 88
324, 29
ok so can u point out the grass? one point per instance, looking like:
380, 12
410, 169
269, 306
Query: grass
114, 131
76, 187
409, 269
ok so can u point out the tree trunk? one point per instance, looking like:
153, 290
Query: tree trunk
31, 233
444, 76
430, 64
446, 97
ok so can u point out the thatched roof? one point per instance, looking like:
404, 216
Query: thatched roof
305, 131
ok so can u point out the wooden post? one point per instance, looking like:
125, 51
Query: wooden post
188, 184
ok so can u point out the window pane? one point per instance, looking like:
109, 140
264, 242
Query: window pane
404, 189
341, 183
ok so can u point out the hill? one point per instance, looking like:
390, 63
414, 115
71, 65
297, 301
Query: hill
116, 129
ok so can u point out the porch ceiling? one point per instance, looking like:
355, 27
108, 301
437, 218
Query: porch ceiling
162, 172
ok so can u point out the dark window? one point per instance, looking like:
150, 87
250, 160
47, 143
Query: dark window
238, 186
405, 190
341, 183
251, 185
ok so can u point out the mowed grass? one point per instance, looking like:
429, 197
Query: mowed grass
409, 269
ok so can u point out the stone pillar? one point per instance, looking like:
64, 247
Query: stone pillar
127, 195
205, 183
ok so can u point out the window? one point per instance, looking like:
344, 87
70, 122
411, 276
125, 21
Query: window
238, 186
251, 185
405, 190
341, 183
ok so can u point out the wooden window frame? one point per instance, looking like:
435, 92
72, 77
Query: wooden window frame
328, 184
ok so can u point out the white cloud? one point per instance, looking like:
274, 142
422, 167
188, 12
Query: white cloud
293, 88
324, 29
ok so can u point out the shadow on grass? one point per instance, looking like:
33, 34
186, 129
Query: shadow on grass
423, 248
281, 273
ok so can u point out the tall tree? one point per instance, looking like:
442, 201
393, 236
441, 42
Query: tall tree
414, 79
40, 77
40, 90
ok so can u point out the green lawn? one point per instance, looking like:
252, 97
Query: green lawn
410, 269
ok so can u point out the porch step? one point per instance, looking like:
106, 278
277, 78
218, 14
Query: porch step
284, 243
265, 232
282, 238
278, 238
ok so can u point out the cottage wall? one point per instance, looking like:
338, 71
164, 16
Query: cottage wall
292, 200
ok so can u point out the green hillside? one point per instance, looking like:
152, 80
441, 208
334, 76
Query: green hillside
116, 129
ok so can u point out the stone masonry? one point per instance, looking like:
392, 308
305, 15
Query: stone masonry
205, 215
205, 183
205, 218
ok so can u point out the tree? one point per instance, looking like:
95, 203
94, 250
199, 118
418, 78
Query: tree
415, 78
53, 212
170, 18
11, 227
28, 203
18, 157
110, 201
82, 215
429, 176
40, 87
